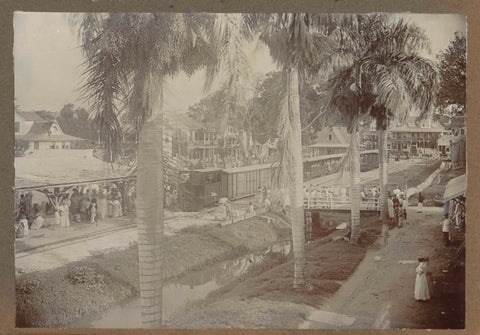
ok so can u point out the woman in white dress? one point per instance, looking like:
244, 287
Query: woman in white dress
61, 211
421, 285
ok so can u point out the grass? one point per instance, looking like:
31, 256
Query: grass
327, 264
58, 297
437, 188
416, 174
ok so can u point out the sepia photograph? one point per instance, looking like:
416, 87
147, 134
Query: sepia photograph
240, 170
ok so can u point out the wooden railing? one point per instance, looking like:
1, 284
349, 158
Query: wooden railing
332, 203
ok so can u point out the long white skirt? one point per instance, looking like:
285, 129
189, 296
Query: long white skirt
421, 287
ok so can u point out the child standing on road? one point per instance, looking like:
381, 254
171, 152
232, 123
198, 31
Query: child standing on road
421, 285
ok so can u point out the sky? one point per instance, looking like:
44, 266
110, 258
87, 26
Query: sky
48, 60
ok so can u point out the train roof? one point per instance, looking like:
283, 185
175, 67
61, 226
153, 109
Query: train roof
205, 170
248, 168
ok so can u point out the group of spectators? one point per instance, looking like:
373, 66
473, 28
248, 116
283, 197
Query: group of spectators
397, 207
82, 204
454, 219
340, 193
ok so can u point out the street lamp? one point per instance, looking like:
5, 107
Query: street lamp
406, 178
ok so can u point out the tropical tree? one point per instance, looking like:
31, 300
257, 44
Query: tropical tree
453, 72
128, 58
374, 68
289, 38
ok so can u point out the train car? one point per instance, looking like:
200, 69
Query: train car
244, 181
369, 160
195, 188
314, 167
320, 166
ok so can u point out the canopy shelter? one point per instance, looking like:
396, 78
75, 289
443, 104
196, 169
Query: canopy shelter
55, 172
455, 188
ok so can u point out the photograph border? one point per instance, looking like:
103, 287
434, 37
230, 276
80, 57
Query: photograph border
7, 269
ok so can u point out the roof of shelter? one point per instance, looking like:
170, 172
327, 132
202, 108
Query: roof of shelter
455, 187
57, 167
31, 116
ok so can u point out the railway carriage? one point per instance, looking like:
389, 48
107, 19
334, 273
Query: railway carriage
196, 187
244, 181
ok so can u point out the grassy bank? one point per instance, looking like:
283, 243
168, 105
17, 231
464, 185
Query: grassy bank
416, 174
437, 188
268, 290
58, 297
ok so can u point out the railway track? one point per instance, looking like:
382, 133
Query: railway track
92, 235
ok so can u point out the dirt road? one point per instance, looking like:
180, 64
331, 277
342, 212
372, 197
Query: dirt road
380, 293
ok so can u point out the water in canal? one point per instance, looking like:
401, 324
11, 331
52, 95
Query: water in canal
177, 295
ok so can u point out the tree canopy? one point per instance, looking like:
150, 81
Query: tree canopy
453, 72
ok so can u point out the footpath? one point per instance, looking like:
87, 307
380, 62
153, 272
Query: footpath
379, 295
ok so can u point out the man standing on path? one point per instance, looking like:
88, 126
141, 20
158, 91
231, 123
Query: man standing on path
420, 202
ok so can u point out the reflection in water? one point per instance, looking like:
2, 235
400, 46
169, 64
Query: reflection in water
177, 295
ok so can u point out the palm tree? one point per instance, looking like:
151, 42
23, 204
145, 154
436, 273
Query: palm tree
374, 68
128, 58
293, 40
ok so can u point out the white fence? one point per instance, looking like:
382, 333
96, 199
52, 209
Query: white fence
332, 203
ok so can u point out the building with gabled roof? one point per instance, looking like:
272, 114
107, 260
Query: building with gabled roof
41, 133
329, 141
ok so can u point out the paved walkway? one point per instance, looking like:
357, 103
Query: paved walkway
379, 295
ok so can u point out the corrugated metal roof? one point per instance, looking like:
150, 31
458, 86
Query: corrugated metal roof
247, 168
40, 132
30, 116
50, 167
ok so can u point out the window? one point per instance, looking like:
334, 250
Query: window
330, 137
17, 127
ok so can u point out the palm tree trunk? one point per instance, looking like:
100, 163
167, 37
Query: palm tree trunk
355, 167
296, 192
355, 186
150, 196
382, 170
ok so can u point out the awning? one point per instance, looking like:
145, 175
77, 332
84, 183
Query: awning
455, 188
55, 168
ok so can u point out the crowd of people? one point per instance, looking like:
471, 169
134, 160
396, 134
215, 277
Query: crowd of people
397, 207
80, 205
262, 201
338, 193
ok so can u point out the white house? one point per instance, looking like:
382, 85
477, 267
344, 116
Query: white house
42, 134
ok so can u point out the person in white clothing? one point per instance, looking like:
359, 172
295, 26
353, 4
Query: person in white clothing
421, 284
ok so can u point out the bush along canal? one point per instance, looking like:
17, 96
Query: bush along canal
212, 275
62, 296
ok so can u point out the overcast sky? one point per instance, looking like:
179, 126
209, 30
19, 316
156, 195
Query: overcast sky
48, 60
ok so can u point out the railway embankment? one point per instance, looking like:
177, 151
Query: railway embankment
58, 297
